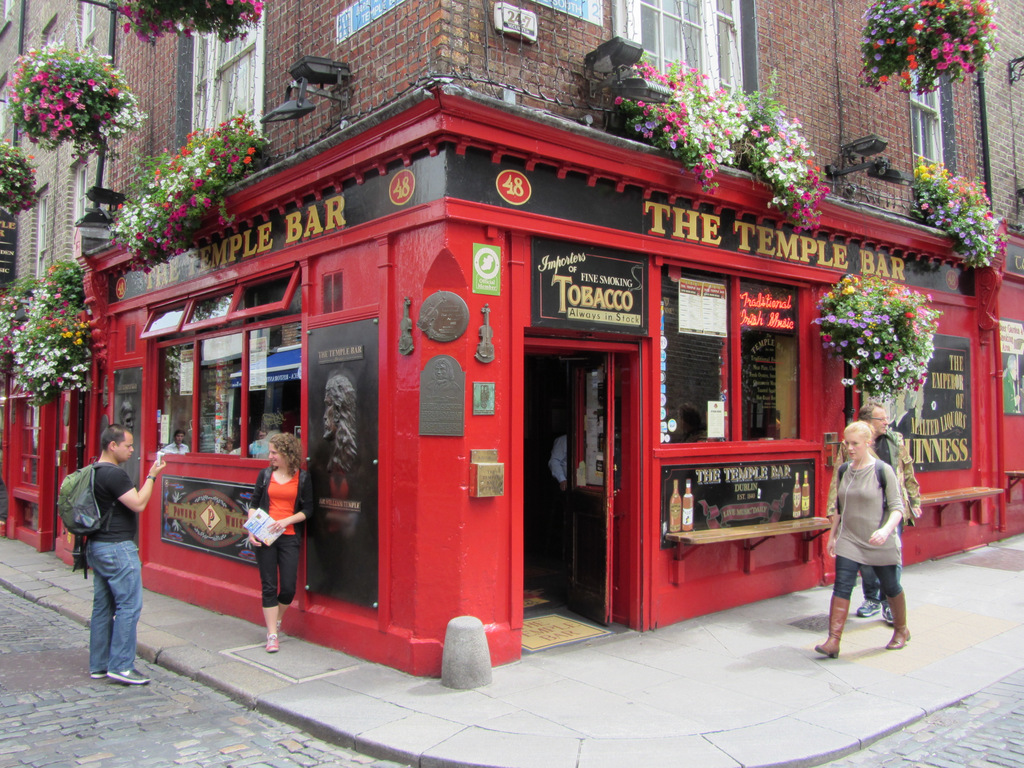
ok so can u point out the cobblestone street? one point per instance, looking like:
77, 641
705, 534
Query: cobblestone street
54, 715
986, 729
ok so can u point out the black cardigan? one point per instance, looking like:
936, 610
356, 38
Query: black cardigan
303, 499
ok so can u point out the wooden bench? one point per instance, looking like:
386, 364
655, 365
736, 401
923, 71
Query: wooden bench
972, 495
1013, 476
752, 536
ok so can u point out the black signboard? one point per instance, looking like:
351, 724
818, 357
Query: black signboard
8, 245
733, 495
587, 288
936, 420
207, 515
341, 553
1015, 260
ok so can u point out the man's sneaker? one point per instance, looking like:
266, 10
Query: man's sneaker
868, 609
128, 677
272, 644
887, 614
98, 675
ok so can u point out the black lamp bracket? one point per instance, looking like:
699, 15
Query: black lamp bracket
1015, 68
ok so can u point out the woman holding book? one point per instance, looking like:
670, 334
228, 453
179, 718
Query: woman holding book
286, 493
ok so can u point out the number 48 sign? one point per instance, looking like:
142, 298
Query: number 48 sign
513, 187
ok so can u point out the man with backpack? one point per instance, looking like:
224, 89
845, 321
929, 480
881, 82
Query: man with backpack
114, 559
890, 448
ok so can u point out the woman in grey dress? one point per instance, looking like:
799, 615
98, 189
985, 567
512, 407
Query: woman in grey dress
864, 533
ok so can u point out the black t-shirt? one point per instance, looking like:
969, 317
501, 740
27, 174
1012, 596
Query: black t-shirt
110, 484
882, 450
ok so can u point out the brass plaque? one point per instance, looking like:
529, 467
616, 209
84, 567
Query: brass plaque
481, 455
444, 316
443, 397
486, 479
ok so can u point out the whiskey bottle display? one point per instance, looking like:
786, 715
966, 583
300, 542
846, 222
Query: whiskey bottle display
675, 509
688, 508
797, 497
805, 497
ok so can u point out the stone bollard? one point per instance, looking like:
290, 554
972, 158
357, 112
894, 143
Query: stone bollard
465, 661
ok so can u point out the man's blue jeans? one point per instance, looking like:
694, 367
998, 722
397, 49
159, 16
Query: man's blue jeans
116, 605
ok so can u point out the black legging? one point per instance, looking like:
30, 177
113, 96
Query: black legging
279, 560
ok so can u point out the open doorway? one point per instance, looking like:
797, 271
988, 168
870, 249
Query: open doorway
579, 507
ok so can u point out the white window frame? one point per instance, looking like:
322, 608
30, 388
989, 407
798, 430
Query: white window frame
926, 125
711, 27
82, 185
215, 99
88, 32
42, 231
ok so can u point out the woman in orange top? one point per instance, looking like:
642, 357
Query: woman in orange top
286, 492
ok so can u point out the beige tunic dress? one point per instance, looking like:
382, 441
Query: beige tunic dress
860, 502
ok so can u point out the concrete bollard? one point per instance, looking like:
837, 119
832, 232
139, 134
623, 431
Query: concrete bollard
465, 661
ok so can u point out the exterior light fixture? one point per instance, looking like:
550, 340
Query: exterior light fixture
96, 216
315, 70
612, 54
877, 167
607, 64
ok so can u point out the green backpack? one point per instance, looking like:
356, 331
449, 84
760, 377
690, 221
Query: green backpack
76, 503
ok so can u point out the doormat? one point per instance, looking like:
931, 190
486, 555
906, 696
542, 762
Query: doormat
550, 631
533, 598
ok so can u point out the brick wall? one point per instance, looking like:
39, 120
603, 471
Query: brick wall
1005, 104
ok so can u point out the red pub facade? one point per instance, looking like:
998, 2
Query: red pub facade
431, 297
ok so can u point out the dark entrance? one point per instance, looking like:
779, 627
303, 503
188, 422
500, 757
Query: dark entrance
570, 533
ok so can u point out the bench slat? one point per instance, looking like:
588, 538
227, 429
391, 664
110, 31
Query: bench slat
741, 532
958, 494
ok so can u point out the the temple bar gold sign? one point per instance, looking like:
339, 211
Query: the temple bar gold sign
486, 474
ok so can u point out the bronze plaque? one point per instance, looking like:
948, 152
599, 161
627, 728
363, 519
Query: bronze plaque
443, 397
444, 316
486, 479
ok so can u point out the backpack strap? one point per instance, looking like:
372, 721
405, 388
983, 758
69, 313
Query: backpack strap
842, 471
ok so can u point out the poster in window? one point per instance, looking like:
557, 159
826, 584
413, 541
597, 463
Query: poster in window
702, 308
341, 552
1011, 340
936, 420
127, 408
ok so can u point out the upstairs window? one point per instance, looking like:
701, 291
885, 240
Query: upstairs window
704, 34
228, 78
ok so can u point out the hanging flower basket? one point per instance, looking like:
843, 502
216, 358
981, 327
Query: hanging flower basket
885, 331
705, 128
17, 179
50, 349
960, 208
176, 192
228, 19
918, 43
58, 95
14, 299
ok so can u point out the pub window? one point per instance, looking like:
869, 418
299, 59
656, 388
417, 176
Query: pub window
275, 382
728, 358
177, 374
164, 321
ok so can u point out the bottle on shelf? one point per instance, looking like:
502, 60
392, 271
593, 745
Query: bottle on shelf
675, 509
797, 497
805, 496
688, 508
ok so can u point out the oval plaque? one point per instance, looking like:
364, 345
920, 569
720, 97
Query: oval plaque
444, 316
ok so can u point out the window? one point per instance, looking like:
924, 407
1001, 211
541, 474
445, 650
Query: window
723, 335
88, 33
42, 231
227, 387
228, 78
81, 187
706, 34
926, 126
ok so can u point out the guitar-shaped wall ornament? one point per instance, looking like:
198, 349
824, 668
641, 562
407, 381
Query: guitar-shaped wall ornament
485, 349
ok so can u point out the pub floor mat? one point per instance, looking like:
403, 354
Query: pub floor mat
534, 597
549, 631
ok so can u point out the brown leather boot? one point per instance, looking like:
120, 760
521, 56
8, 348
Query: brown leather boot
837, 612
900, 635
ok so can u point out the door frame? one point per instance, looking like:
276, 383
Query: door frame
626, 560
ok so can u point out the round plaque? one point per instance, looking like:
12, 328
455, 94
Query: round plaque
444, 316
